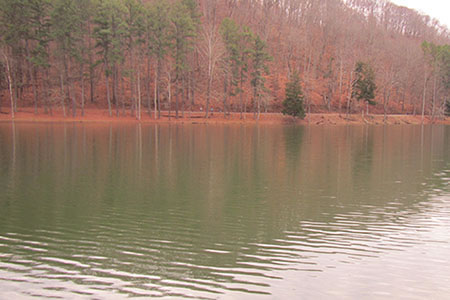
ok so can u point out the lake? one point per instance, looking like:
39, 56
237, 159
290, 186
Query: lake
224, 211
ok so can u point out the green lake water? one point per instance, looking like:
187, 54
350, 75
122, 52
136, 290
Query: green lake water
101, 211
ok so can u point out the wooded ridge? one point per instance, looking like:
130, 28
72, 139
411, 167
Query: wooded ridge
135, 57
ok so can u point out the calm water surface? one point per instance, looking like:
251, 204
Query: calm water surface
228, 212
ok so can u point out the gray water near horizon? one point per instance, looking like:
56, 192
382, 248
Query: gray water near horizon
100, 211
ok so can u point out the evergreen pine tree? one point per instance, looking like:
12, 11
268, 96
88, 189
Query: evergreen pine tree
185, 22
238, 44
159, 42
293, 103
259, 57
67, 20
364, 85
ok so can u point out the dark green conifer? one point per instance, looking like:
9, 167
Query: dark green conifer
293, 103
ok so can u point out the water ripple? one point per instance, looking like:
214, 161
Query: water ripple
112, 225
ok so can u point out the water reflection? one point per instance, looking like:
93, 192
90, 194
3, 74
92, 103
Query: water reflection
224, 211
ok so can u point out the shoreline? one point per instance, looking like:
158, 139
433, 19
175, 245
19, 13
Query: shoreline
93, 115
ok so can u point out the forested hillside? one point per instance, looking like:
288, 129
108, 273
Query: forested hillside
136, 57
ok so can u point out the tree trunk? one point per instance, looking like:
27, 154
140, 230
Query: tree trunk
8, 74
74, 102
65, 84
255, 103
72, 93
349, 95
208, 96
241, 101
192, 89
186, 96
63, 96
82, 88
116, 88
259, 107
138, 116
147, 85
91, 64
169, 94
328, 102
424, 96
122, 91
46, 92
176, 101
108, 97
403, 101
91, 83
386, 97
182, 96
133, 98
225, 96
340, 87
156, 88
16, 90
433, 110
32, 77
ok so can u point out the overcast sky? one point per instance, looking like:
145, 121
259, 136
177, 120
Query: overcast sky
439, 9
